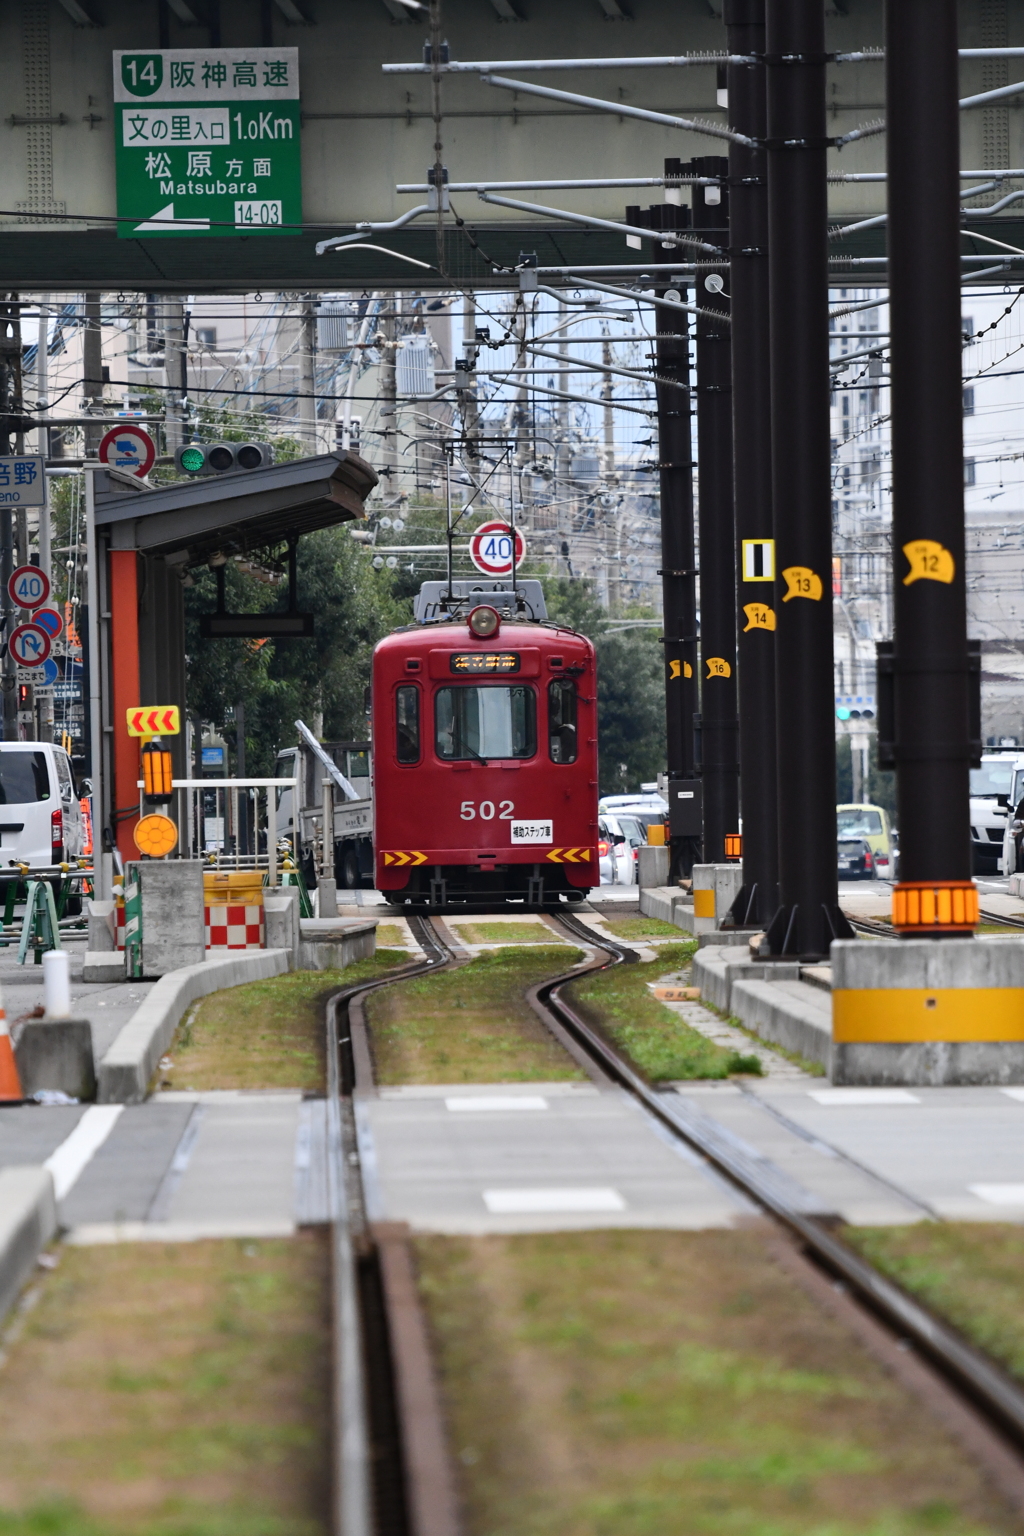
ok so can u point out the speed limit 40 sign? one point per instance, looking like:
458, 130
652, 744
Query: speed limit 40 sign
29, 587
490, 549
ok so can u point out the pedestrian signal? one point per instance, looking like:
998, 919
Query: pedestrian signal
222, 458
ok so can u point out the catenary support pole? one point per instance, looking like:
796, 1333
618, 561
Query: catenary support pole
719, 765
675, 467
929, 664
808, 916
752, 470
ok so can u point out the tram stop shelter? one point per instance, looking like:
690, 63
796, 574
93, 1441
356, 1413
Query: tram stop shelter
143, 541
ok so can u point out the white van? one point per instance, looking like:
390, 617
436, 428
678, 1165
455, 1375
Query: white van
40, 814
991, 808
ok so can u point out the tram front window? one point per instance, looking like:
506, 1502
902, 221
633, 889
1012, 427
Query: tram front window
489, 722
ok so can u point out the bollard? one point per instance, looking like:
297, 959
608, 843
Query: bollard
57, 984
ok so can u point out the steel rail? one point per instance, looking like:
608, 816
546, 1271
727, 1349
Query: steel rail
978, 1377
352, 1504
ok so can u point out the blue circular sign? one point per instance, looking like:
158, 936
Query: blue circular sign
51, 672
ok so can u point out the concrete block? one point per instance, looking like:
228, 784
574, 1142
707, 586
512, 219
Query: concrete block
28, 1220
56, 1054
730, 936
172, 914
670, 905
928, 1011
327, 898
125, 1071
924, 1064
985, 961
104, 965
715, 888
652, 866
281, 915
1017, 885
717, 967
328, 944
101, 916
787, 1013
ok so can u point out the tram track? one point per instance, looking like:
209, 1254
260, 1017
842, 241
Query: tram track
973, 1376
391, 1478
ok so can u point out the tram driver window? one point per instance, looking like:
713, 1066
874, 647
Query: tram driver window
485, 723
562, 745
407, 724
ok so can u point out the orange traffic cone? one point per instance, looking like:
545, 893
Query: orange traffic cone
10, 1082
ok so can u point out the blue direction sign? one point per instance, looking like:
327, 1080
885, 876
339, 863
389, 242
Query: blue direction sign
22, 481
50, 672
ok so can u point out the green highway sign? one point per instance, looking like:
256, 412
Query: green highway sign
207, 141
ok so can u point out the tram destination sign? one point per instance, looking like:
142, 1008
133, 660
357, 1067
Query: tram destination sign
207, 141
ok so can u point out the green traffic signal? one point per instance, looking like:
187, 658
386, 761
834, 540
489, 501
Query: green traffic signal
192, 460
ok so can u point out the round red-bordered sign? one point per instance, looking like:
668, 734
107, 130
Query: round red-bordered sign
129, 448
50, 620
30, 645
28, 586
490, 549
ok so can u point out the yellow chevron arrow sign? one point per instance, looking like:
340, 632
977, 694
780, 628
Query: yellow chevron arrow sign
402, 856
569, 856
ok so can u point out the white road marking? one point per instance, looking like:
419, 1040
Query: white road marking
496, 1103
1014, 1093
507, 1202
999, 1194
68, 1161
862, 1096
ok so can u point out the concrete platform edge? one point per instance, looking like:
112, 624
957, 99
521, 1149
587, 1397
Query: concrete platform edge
124, 1073
775, 1011
28, 1220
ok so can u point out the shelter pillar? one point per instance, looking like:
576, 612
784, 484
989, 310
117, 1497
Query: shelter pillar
124, 672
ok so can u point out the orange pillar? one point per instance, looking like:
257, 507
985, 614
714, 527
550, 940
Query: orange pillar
124, 668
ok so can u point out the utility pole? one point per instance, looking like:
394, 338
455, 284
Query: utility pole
307, 373
92, 368
808, 917
719, 757
468, 403
389, 398
44, 704
175, 369
927, 672
752, 468
675, 468
10, 405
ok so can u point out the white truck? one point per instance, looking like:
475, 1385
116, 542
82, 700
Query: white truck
992, 805
336, 776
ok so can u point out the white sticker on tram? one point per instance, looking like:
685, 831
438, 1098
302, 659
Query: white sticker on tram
532, 832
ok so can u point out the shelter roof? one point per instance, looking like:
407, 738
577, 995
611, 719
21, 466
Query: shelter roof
235, 512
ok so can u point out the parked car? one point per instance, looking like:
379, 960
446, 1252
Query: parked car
41, 821
870, 822
634, 827
855, 859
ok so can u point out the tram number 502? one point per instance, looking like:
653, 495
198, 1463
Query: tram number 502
470, 810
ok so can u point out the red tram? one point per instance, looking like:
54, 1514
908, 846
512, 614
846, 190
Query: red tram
485, 761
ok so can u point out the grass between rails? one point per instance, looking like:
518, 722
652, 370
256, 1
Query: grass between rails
505, 933
471, 1024
658, 1041
972, 1273
172, 1390
675, 1384
265, 1034
641, 928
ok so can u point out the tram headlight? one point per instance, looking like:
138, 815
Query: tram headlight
484, 622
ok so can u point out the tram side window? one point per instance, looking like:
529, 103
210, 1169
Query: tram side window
407, 724
562, 744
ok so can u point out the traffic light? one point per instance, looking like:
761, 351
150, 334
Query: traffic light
26, 698
222, 458
157, 773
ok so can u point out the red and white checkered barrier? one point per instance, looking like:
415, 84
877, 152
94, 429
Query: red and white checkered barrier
119, 925
235, 927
